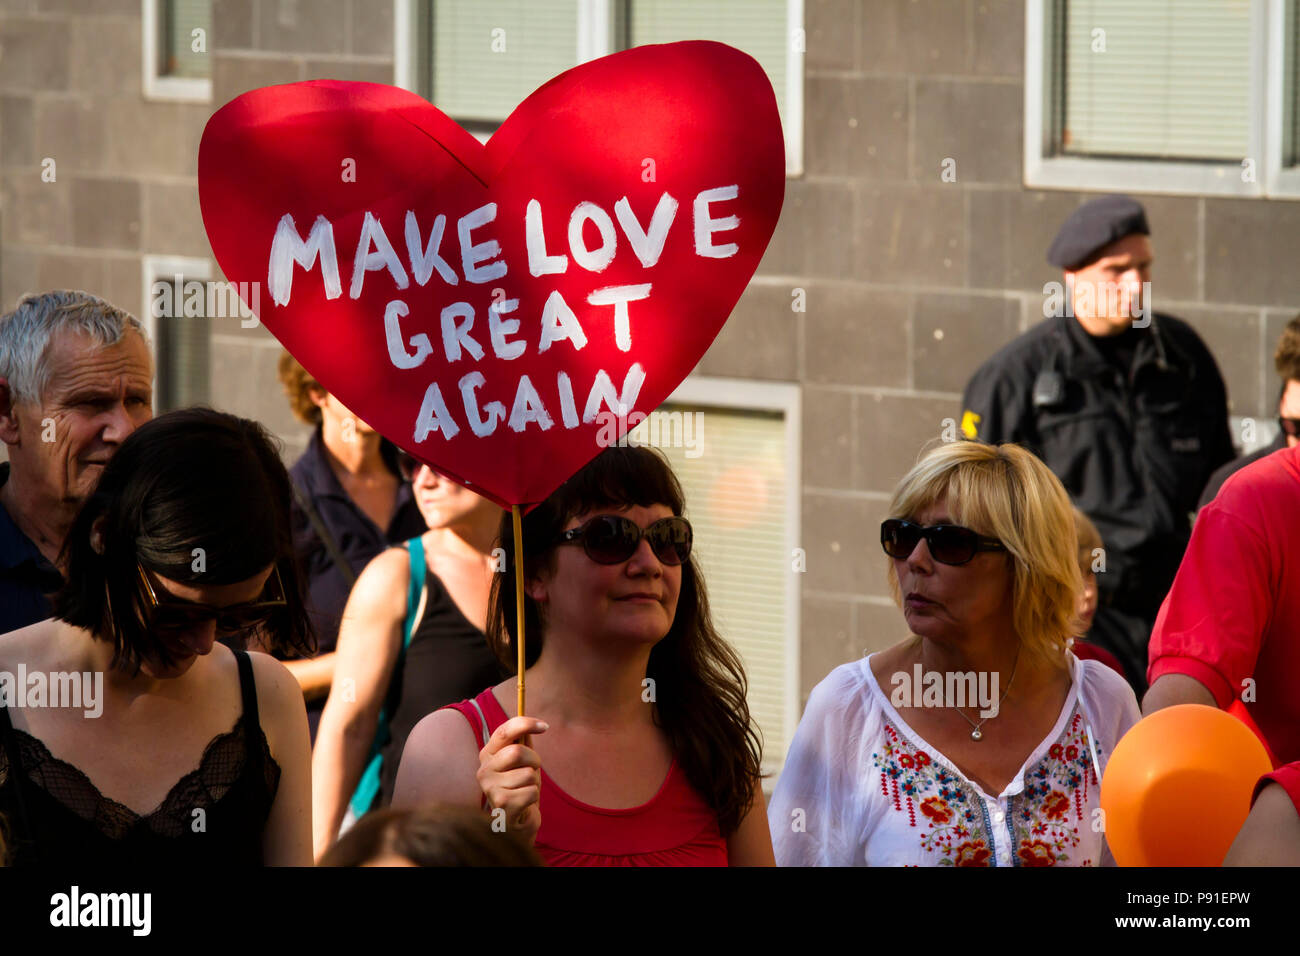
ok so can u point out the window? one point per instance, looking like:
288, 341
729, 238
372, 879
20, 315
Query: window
478, 59
175, 314
1181, 96
735, 449
175, 44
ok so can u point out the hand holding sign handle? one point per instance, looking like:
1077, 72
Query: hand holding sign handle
492, 308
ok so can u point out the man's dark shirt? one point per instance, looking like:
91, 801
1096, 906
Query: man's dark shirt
1231, 468
1133, 450
357, 538
26, 576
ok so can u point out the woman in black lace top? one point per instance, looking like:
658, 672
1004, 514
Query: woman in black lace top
151, 743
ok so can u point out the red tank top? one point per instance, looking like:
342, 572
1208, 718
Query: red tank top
674, 828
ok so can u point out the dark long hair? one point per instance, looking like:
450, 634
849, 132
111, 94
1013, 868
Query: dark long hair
699, 680
197, 496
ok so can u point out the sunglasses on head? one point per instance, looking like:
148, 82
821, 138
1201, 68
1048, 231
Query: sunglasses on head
948, 543
178, 615
1290, 426
612, 539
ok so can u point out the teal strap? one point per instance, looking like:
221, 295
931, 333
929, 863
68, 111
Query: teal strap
363, 799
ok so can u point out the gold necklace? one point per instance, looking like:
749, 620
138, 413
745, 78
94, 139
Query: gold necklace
976, 733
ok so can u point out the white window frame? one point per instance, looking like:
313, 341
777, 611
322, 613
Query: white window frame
176, 89
1267, 89
154, 268
592, 33
752, 395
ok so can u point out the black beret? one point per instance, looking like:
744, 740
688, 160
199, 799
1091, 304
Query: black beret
1096, 223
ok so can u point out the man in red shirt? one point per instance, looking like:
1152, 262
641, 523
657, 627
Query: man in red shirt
1230, 625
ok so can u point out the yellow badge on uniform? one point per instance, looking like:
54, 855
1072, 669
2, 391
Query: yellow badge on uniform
970, 424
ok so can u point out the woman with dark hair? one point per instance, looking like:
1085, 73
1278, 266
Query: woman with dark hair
177, 750
642, 751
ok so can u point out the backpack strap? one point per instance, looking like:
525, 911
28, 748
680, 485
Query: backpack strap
363, 799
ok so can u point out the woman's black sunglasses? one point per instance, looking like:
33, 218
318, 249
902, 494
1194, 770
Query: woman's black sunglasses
178, 615
408, 465
948, 543
612, 539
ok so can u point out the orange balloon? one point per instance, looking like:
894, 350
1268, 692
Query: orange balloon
1177, 788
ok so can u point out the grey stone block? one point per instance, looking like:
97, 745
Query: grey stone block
244, 382
761, 338
106, 213
372, 28
36, 213
856, 126
978, 125
297, 26
841, 536
34, 55
827, 437
17, 131
357, 71
877, 626
1175, 245
856, 336
71, 132
124, 282
1233, 338
99, 9
1010, 230
154, 137
233, 75
999, 31
953, 334
173, 224
1246, 242
825, 639
912, 234
915, 36
894, 431
232, 25
106, 56
832, 32
815, 235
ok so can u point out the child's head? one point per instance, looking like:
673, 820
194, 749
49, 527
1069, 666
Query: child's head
1090, 549
435, 835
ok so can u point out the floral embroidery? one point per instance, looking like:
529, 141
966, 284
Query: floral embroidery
1036, 853
937, 809
950, 819
1047, 819
1051, 809
972, 854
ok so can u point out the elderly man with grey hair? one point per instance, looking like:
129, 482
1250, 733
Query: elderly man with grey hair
75, 381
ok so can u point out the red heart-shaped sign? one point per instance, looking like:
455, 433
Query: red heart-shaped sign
501, 310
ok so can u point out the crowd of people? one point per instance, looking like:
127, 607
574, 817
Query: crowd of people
317, 664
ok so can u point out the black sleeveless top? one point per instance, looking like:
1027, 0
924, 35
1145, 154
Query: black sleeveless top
447, 661
55, 816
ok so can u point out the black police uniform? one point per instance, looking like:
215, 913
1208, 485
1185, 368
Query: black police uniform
1134, 449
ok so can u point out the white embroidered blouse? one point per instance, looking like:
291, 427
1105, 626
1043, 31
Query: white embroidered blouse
860, 787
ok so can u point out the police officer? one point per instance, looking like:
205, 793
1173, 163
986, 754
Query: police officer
1126, 407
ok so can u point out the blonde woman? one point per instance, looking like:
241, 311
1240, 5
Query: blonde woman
979, 740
